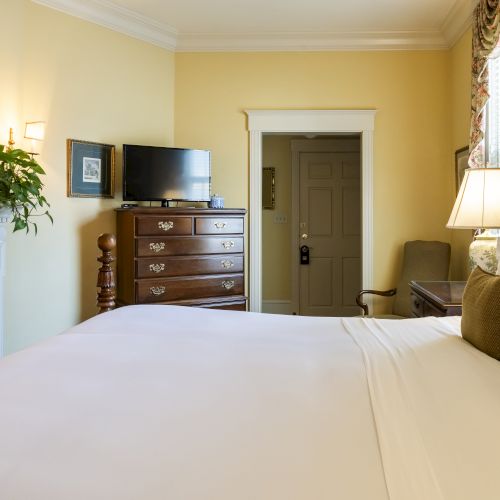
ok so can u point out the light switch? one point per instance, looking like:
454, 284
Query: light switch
280, 219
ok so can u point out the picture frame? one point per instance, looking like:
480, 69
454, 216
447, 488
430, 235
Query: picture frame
461, 165
269, 188
90, 169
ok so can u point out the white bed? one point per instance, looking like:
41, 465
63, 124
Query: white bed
177, 403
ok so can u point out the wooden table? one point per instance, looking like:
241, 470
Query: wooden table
436, 298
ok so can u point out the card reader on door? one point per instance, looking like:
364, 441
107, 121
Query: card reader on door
304, 255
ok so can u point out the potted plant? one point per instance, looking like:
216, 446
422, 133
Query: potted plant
21, 188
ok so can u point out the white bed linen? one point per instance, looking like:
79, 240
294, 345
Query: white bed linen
163, 402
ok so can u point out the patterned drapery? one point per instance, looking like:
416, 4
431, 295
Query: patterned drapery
485, 35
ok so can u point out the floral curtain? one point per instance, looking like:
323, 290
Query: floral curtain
485, 36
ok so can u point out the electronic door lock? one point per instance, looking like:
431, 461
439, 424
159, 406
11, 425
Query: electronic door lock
304, 255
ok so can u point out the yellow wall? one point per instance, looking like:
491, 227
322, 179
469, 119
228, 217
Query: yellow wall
276, 238
413, 186
460, 85
87, 83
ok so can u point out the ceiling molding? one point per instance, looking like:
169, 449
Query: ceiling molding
109, 15
259, 42
106, 13
458, 20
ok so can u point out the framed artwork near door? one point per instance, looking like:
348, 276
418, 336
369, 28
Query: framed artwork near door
461, 165
269, 188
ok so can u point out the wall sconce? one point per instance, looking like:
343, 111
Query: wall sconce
36, 132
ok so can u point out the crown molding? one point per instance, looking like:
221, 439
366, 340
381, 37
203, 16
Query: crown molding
109, 15
458, 20
106, 13
305, 41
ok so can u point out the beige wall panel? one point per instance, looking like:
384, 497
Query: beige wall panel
276, 258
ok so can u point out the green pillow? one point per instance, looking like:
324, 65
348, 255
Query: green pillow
481, 312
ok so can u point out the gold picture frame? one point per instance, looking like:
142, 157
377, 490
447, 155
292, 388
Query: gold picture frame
461, 165
269, 188
90, 169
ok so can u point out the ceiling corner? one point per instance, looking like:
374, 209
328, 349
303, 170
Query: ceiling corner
109, 15
458, 20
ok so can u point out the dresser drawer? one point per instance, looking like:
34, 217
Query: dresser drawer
169, 289
240, 305
176, 226
186, 266
150, 247
219, 225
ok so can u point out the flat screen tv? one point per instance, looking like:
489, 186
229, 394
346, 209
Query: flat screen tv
165, 174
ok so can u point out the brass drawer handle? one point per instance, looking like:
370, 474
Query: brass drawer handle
165, 225
226, 264
220, 225
157, 290
228, 244
228, 284
157, 247
156, 268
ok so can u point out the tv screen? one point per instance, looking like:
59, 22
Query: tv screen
158, 174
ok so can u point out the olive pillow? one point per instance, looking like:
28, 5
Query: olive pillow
481, 312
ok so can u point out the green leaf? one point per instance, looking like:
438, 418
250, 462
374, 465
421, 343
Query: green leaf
20, 224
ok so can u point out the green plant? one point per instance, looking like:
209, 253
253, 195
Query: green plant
21, 188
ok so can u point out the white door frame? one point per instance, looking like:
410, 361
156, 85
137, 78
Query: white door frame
307, 121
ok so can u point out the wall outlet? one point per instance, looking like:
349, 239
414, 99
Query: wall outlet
280, 219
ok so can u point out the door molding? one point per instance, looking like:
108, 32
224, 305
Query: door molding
307, 121
299, 146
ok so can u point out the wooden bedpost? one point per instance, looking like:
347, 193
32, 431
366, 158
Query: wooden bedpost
106, 278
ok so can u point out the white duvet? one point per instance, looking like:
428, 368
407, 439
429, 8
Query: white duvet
173, 403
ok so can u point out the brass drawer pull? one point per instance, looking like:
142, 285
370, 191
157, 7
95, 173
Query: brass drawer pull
157, 290
157, 247
220, 225
226, 264
228, 284
156, 268
165, 225
228, 244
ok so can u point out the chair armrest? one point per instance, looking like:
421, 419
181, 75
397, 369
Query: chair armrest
385, 293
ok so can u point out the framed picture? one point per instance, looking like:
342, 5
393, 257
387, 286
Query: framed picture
268, 188
91, 169
461, 164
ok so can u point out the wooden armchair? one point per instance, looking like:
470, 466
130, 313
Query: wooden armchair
422, 261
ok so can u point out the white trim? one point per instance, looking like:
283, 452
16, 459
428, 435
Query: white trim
277, 307
255, 223
305, 41
458, 20
307, 121
116, 18
106, 13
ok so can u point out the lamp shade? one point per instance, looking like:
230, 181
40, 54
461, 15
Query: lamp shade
478, 201
35, 130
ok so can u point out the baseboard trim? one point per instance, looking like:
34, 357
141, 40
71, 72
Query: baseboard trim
277, 306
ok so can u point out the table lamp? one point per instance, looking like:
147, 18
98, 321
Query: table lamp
478, 207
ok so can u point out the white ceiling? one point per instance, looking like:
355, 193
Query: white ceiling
280, 24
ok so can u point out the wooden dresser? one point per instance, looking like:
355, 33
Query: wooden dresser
180, 256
